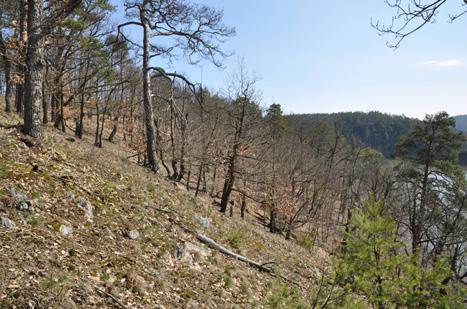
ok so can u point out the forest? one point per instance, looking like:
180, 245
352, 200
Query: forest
374, 129
396, 229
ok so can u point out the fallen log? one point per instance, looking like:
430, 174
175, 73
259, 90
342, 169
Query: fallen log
214, 245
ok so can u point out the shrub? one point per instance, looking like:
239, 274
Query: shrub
304, 240
235, 238
373, 264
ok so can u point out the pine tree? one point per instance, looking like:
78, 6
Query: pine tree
372, 265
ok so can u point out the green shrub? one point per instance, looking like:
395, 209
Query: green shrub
235, 238
283, 296
304, 240
373, 264
33, 221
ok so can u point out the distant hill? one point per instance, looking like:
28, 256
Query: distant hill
374, 129
461, 123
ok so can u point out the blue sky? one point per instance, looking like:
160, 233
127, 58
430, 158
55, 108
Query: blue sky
318, 56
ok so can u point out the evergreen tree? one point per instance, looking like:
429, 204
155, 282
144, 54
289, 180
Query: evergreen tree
436, 184
372, 265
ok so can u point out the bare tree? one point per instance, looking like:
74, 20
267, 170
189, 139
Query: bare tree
243, 113
191, 30
6, 16
412, 15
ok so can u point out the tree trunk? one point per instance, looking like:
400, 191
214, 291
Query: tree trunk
188, 179
113, 133
158, 141
214, 176
96, 135
228, 184
35, 72
79, 123
45, 105
61, 118
174, 162
147, 105
243, 207
54, 105
19, 96
7, 71
181, 173
7, 68
272, 221
198, 182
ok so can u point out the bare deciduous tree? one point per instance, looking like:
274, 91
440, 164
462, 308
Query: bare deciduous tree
190, 30
412, 15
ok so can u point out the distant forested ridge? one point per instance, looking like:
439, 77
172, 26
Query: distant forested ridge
374, 129
461, 123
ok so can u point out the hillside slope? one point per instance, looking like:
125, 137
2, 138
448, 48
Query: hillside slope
85, 228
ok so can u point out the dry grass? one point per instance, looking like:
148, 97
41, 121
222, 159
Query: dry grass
39, 266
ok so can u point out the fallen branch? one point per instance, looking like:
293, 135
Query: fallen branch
214, 245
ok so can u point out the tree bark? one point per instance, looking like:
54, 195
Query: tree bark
113, 133
35, 72
45, 105
228, 184
147, 105
243, 207
7, 71
272, 221
19, 96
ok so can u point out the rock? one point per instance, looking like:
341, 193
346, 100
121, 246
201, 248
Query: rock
187, 259
198, 251
203, 221
19, 200
66, 230
188, 253
23, 206
86, 205
70, 195
136, 283
192, 304
133, 234
17, 196
7, 223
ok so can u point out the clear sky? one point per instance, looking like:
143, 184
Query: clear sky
320, 56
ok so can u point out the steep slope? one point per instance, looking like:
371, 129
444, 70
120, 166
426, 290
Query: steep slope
374, 129
85, 228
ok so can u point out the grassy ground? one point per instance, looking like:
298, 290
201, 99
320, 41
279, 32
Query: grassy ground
99, 266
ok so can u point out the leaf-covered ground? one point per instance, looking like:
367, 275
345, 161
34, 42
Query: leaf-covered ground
129, 253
